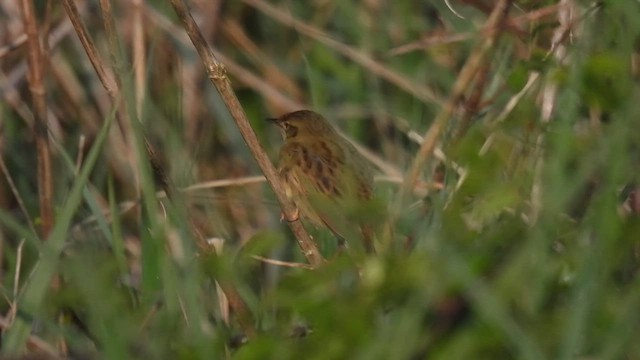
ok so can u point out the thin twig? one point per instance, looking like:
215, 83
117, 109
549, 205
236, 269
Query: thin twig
112, 39
80, 156
217, 74
225, 183
139, 56
16, 280
13, 45
281, 263
222, 183
420, 190
37, 63
106, 78
453, 10
472, 104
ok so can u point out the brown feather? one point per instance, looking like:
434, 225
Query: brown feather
320, 168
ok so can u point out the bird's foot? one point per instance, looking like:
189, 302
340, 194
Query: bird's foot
295, 216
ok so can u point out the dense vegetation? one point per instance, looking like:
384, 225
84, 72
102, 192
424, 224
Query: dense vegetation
518, 239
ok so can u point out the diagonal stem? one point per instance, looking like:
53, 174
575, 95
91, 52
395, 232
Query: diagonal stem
218, 76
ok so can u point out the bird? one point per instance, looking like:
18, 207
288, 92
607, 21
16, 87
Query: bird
328, 180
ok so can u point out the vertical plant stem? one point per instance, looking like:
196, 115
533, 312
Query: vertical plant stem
107, 80
139, 56
35, 78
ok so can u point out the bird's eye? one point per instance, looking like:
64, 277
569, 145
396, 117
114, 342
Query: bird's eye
289, 130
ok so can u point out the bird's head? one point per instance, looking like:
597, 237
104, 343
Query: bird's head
302, 123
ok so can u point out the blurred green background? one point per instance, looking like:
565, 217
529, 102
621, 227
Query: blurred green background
521, 240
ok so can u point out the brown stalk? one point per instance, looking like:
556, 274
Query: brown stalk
473, 104
467, 75
106, 79
35, 78
217, 74
112, 38
281, 263
109, 83
139, 58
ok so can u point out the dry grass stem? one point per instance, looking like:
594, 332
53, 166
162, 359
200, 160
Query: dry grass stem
37, 64
217, 74
15, 44
225, 183
106, 78
447, 2
108, 81
282, 263
139, 55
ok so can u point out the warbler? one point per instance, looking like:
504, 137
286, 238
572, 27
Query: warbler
328, 180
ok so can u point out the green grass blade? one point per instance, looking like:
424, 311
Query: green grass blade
39, 282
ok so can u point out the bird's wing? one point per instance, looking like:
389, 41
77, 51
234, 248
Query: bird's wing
326, 185
317, 167
312, 175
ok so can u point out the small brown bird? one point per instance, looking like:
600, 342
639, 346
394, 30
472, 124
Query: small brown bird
325, 176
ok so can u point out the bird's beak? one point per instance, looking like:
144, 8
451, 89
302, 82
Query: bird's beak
278, 123
275, 121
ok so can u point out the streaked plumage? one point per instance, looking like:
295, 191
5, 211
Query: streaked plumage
325, 176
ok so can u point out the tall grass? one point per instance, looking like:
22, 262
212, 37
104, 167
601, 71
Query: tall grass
517, 240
